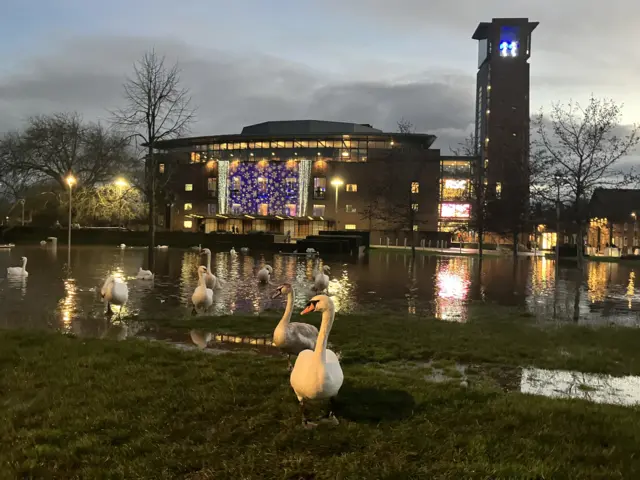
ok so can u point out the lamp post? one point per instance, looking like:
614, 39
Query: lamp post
121, 183
633, 240
558, 179
22, 203
337, 183
71, 180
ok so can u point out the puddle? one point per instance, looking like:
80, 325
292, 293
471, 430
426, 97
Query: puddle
587, 386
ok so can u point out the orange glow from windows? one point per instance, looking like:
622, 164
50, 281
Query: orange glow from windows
291, 164
455, 210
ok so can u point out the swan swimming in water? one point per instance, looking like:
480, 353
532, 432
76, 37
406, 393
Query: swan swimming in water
122, 246
292, 338
162, 247
210, 279
114, 291
317, 374
244, 250
233, 252
321, 280
264, 274
144, 274
202, 297
18, 271
43, 243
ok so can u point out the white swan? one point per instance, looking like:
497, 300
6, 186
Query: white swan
162, 247
123, 246
202, 296
19, 271
321, 280
233, 252
197, 249
244, 250
114, 291
200, 339
292, 338
317, 374
211, 280
144, 274
43, 243
264, 274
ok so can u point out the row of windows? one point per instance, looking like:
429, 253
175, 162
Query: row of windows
290, 209
349, 226
377, 144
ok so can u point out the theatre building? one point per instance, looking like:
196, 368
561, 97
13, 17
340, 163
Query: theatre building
301, 177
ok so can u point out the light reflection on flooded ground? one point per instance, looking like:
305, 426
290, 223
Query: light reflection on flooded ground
381, 282
592, 387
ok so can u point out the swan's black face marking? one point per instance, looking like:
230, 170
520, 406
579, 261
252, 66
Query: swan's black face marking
310, 307
283, 289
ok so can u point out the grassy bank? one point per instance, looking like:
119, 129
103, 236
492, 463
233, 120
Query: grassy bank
89, 408
493, 335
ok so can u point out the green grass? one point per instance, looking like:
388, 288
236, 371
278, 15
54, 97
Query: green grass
493, 335
82, 408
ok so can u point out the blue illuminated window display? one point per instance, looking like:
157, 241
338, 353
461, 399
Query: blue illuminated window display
270, 183
509, 45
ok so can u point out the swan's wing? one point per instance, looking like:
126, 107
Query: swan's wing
302, 336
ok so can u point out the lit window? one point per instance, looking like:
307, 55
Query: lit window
161, 168
498, 189
188, 224
456, 168
195, 157
486, 163
212, 208
188, 187
350, 209
319, 187
188, 206
292, 184
415, 228
352, 187
290, 209
263, 209
626, 240
262, 184
318, 210
455, 210
414, 207
350, 226
454, 189
236, 209
211, 184
415, 187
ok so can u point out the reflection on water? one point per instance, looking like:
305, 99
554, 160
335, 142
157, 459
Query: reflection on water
592, 387
381, 282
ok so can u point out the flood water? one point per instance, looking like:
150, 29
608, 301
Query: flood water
57, 297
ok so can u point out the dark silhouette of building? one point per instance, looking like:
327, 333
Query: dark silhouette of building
502, 114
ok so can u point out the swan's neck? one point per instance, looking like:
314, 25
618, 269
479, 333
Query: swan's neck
24, 263
209, 262
286, 318
201, 281
323, 335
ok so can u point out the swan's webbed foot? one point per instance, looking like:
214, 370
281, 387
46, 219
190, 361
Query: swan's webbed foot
109, 311
305, 422
330, 417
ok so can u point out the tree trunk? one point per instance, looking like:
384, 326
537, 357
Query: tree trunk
151, 197
413, 243
480, 241
515, 245
579, 245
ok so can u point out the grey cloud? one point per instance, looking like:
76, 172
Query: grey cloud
233, 91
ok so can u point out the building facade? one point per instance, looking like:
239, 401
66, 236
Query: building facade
301, 177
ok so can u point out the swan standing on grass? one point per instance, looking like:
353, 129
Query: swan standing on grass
211, 280
114, 291
317, 374
292, 338
202, 296
18, 271
321, 280
264, 274
144, 274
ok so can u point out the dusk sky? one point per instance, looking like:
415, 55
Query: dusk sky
365, 61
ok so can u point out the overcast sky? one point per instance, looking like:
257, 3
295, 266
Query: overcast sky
365, 61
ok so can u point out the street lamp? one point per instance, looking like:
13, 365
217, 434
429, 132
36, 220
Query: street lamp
337, 183
633, 242
558, 178
71, 181
22, 203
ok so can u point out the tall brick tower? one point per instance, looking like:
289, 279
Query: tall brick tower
502, 110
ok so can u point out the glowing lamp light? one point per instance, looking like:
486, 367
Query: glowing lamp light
121, 183
337, 182
509, 49
71, 180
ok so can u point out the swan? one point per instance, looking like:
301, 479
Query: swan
202, 296
114, 291
200, 339
43, 243
233, 251
210, 279
122, 246
144, 274
317, 374
19, 271
264, 274
292, 338
197, 249
244, 250
162, 247
321, 280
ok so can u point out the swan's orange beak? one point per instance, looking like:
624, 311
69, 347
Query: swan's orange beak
308, 309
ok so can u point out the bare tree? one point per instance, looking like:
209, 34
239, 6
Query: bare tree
52, 146
157, 108
405, 126
108, 203
585, 145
